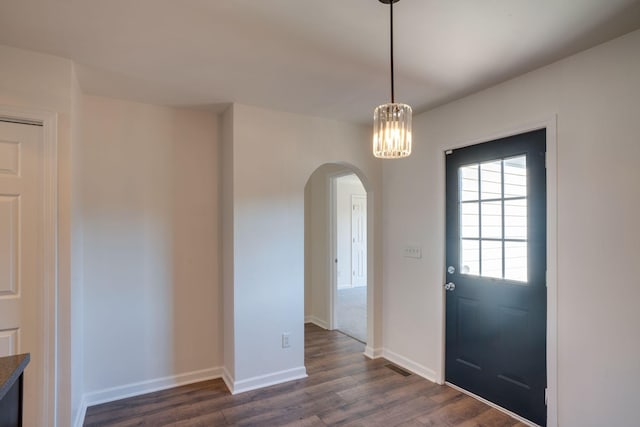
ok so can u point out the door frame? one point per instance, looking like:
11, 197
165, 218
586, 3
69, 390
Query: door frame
333, 245
49, 122
355, 197
550, 124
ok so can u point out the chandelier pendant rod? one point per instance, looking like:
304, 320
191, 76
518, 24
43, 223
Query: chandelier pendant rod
391, 48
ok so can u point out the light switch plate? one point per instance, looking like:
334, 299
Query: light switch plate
412, 252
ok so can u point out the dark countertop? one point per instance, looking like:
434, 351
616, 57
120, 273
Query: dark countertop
10, 369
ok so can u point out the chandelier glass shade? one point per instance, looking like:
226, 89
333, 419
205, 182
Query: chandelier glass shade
392, 121
392, 131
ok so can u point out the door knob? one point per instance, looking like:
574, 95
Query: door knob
450, 286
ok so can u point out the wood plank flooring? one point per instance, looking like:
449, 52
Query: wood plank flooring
343, 389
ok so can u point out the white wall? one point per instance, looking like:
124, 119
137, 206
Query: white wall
274, 154
150, 197
346, 187
76, 354
228, 247
43, 82
596, 95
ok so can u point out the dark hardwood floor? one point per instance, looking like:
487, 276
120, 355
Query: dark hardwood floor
343, 388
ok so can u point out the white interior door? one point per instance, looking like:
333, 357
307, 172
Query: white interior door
21, 255
358, 240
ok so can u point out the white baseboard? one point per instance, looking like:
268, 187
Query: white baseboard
228, 379
408, 364
143, 387
316, 321
373, 353
401, 361
264, 380
82, 411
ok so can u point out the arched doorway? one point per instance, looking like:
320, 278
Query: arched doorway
348, 226
337, 285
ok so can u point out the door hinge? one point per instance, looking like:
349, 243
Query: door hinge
546, 396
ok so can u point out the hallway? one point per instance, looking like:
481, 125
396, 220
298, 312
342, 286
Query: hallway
351, 312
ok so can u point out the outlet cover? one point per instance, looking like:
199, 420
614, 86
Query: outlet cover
285, 340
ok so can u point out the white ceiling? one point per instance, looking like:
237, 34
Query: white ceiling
319, 57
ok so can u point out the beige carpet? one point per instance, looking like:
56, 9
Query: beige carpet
351, 312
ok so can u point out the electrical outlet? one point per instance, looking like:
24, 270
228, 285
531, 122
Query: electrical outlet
412, 252
285, 340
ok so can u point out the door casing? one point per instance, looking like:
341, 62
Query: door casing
48, 121
550, 124
333, 249
354, 259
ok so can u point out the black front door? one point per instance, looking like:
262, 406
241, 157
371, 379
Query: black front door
496, 267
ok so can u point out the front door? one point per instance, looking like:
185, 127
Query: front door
21, 257
496, 268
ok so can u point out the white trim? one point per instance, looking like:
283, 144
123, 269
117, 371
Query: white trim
149, 386
228, 379
49, 328
410, 365
332, 251
316, 321
552, 271
332, 202
82, 412
373, 353
333, 245
550, 124
403, 362
493, 405
541, 123
266, 380
355, 197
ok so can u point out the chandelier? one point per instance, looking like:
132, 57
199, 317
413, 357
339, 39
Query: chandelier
392, 121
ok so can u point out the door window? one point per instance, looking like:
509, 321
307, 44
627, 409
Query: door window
493, 218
